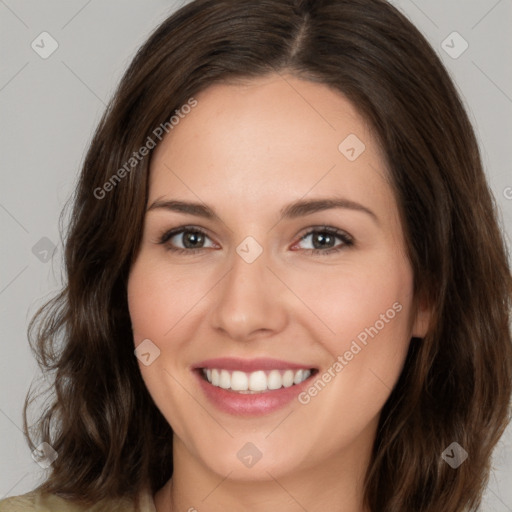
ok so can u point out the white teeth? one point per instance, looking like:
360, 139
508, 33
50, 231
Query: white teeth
225, 379
255, 382
239, 381
288, 378
274, 380
258, 381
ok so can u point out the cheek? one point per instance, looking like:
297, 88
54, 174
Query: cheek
369, 309
356, 299
362, 322
159, 299
156, 305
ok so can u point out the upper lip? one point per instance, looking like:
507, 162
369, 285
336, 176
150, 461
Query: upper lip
250, 365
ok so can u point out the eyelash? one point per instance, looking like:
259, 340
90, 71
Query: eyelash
344, 237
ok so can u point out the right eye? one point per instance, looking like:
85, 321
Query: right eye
190, 237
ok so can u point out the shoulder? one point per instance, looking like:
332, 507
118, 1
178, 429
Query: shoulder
18, 503
34, 501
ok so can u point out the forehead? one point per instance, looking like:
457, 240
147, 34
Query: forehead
259, 138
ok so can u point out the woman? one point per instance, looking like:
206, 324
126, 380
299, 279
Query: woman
283, 211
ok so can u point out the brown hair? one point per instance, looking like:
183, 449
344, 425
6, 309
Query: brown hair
456, 383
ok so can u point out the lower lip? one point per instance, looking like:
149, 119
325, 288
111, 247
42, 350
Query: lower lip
250, 404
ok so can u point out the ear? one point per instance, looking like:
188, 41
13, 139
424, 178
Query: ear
422, 319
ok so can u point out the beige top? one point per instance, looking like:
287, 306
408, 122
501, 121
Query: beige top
36, 502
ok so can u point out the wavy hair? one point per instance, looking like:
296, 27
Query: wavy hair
456, 383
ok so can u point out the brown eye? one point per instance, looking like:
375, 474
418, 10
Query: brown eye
191, 239
323, 240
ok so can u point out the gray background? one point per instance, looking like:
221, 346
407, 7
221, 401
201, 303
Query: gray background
49, 108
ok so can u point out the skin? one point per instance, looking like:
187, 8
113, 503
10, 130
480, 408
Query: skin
247, 150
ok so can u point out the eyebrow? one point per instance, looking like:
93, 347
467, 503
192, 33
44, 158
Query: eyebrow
293, 210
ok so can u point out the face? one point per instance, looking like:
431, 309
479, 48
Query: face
277, 311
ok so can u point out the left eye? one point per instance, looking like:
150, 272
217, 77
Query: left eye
191, 238
322, 240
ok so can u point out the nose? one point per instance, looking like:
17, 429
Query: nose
250, 301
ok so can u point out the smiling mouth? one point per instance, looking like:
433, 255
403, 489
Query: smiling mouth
260, 381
